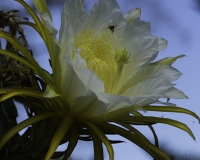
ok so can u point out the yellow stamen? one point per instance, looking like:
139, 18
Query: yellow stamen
99, 51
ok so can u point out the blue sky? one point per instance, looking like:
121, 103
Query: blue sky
178, 23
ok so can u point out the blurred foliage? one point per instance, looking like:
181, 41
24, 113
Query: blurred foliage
196, 5
178, 155
8, 77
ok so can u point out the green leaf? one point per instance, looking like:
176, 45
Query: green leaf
145, 119
171, 109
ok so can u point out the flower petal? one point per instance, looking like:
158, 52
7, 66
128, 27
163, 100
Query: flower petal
74, 14
86, 75
151, 87
152, 72
89, 105
71, 84
175, 93
162, 44
132, 15
135, 30
141, 51
78, 79
101, 13
116, 101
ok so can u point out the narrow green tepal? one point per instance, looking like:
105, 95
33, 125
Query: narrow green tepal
58, 136
103, 138
171, 109
148, 119
167, 60
74, 135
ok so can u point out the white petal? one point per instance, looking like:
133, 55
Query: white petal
74, 14
124, 107
71, 85
110, 116
152, 72
119, 24
135, 30
143, 101
132, 15
175, 93
162, 44
86, 75
66, 41
151, 87
89, 105
101, 13
141, 50
116, 101
120, 105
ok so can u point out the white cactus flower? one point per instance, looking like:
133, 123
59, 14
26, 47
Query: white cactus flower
106, 61
103, 71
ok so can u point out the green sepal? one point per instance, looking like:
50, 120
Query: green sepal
167, 60
22, 91
151, 128
59, 135
132, 129
147, 146
145, 119
73, 140
97, 144
171, 109
103, 138
35, 18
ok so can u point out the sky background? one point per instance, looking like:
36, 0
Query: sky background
179, 23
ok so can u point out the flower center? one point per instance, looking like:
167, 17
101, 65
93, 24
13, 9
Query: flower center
98, 51
101, 56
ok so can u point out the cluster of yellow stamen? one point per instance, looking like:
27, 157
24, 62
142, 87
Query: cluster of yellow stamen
100, 54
